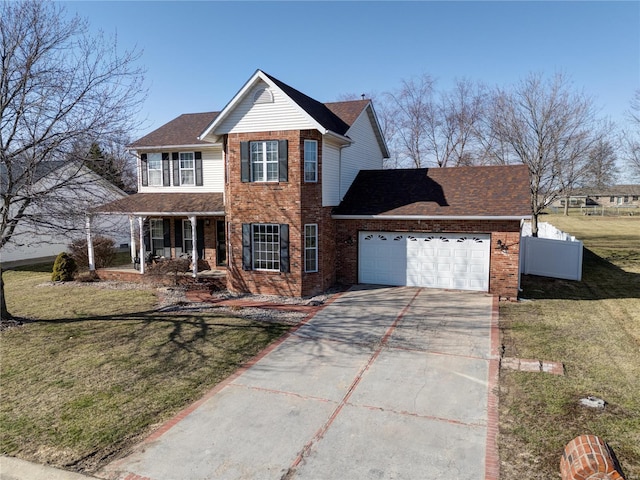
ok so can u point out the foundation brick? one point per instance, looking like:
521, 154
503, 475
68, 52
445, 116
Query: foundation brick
588, 457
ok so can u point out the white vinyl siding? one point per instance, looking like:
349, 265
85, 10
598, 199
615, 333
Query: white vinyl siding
363, 154
281, 114
212, 173
330, 174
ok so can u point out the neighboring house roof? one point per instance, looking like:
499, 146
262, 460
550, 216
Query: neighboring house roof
613, 190
175, 204
456, 192
181, 131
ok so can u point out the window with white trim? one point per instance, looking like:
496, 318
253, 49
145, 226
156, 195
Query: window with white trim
156, 227
187, 168
311, 248
187, 237
265, 246
310, 161
264, 161
154, 169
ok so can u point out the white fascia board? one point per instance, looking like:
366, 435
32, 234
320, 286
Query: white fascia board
429, 217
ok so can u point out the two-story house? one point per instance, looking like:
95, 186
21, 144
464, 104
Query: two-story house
288, 196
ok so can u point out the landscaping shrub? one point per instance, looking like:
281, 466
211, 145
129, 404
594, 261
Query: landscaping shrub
104, 252
63, 268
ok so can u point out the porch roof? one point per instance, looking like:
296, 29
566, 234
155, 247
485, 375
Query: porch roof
166, 204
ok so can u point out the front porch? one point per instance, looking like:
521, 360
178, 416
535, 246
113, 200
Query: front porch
171, 234
212, 280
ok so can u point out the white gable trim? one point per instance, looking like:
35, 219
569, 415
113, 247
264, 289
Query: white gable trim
259, 75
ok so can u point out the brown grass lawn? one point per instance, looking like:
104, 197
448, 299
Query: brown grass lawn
96, 369
593, 327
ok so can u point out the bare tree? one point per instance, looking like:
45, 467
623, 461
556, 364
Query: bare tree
548, 127
631, 137
437, 128
601, 170
59, 88
412, 111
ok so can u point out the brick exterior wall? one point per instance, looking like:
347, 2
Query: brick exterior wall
503, 269
294, 203
297, 203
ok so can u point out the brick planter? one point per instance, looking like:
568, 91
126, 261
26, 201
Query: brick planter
588, 457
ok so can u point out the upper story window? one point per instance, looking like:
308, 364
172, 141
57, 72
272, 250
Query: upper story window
310, 161
264, 161
154, 168
187, 168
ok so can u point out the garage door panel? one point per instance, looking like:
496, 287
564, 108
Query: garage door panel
455, 261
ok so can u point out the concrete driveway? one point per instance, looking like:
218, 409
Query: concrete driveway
382, 383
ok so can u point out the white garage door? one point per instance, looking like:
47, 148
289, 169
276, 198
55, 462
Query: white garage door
436, 260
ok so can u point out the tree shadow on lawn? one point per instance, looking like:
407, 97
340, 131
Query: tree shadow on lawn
601, 280
187, 331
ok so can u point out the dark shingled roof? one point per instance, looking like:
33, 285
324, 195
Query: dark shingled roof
349, 110
319, 111
458, 191
183, 130
166, 203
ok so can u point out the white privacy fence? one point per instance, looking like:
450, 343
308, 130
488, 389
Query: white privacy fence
553, 253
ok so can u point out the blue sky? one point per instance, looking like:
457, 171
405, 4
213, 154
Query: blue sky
199, 54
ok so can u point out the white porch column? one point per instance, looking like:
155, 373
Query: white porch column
194, 240
132, 237
141, 253
90, 254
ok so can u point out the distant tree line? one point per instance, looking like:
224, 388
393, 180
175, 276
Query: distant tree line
542, 121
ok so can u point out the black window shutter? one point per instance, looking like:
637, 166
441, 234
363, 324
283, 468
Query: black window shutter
200, 237
246, 246
147, 235
177, 227
198, 156
245, 164
283, 166
166, 170
143, 170
176, 168
166, 232
284, 248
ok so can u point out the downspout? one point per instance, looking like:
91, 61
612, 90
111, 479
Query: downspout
90, 252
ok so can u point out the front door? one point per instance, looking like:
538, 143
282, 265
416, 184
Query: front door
221, 243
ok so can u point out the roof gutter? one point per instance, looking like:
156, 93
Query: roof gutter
337, 136
165, 214
166, 147
430, 217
